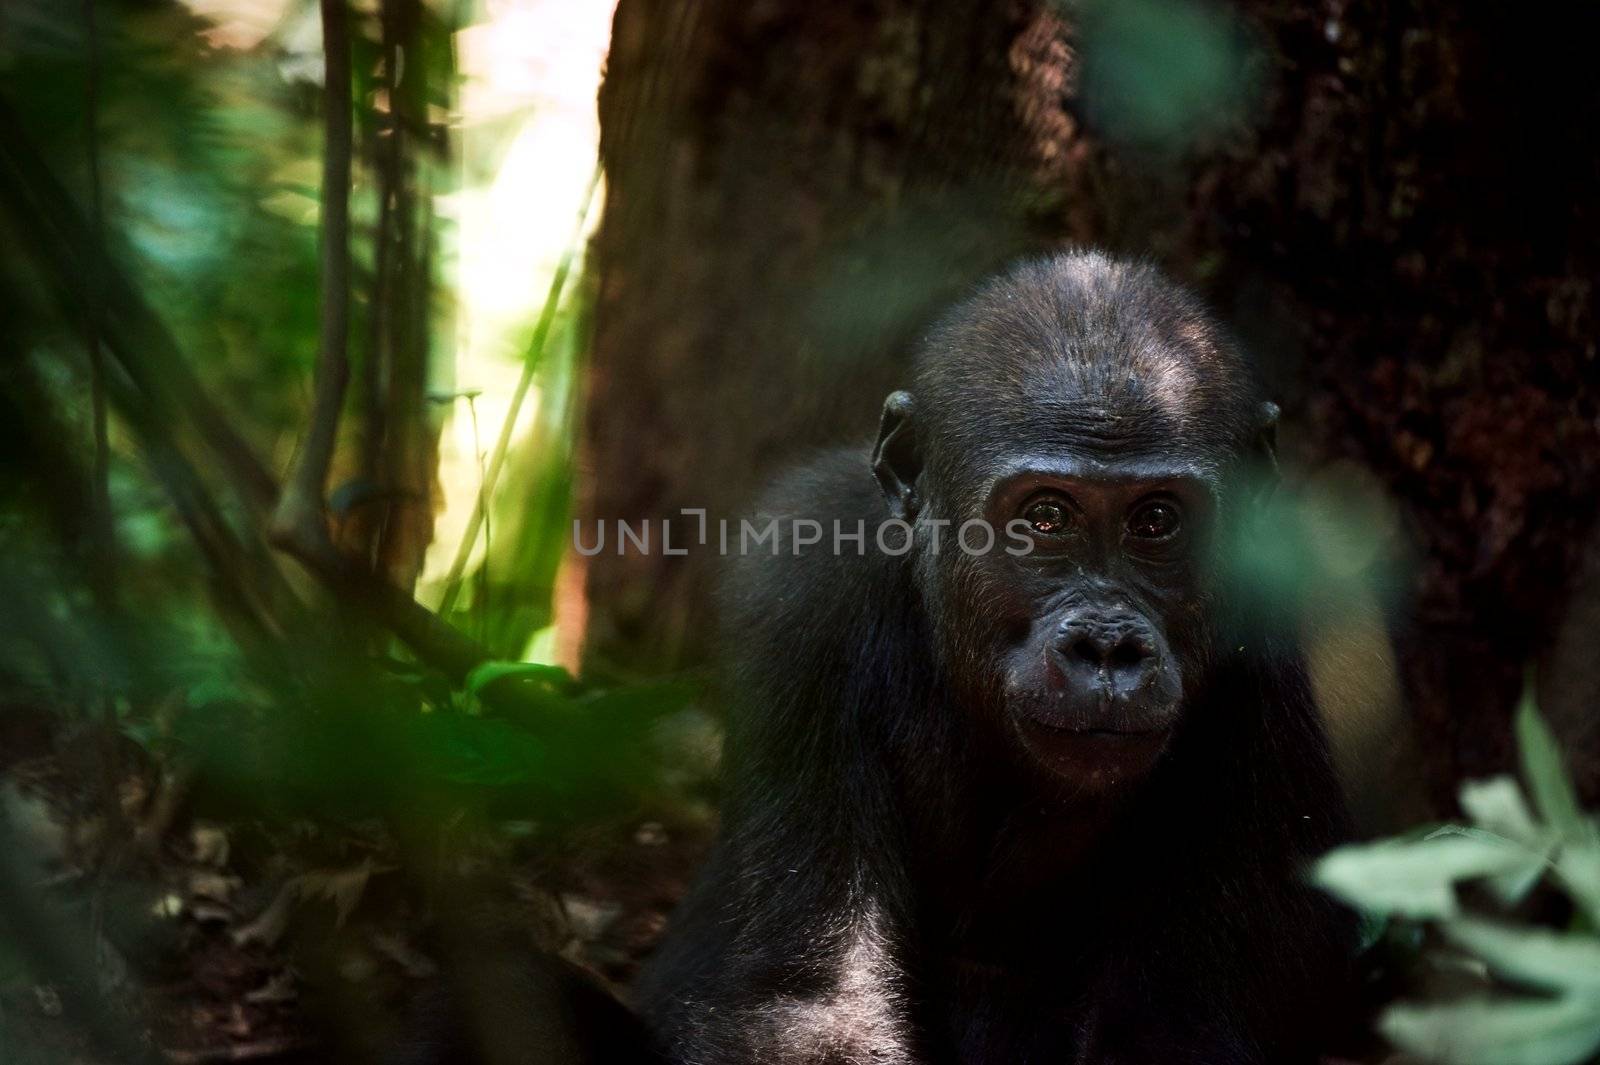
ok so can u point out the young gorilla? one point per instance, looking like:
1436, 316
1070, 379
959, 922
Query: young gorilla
996, 807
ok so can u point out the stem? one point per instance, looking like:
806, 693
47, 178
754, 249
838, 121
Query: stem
104, 547
387, 161
302, 503
407, 465
530, 364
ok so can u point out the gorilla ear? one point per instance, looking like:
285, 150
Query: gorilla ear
896, 461
1266, 441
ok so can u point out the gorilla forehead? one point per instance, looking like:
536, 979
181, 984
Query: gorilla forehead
1081, 351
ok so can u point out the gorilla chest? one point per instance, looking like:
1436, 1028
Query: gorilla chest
988, 1014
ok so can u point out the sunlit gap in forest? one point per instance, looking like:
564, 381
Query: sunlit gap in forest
529, 138
526, 138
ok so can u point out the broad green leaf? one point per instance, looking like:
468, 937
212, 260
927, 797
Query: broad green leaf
1370, 930
217, 689
1542, 767
1578, 869
1578, 865
1556, 961
1511, 888
483, 752
1416, 878
1497, 805
487, 673
1488, 1031
1163, 71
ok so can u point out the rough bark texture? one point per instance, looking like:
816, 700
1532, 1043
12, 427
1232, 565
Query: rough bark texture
1405, 230
790, 189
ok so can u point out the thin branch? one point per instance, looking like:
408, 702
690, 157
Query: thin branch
530, 365
407, 466
375, 364
435, 642
302, 503
103, 565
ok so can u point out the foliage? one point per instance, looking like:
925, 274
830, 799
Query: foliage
161, 213
1165, 72
206, 196
1539, 999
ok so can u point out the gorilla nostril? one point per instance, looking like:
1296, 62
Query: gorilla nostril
1086, 650
1121, 651
1128, 652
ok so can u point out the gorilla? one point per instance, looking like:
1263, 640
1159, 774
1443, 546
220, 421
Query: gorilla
1030, 771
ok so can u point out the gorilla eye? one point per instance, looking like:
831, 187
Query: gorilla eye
1155, 520
1048, 516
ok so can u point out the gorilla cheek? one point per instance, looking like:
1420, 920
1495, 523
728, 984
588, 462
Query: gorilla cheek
983, 628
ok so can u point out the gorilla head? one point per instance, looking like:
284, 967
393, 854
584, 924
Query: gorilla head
1094, 412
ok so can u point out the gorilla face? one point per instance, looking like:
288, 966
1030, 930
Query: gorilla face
1098, 417
1092, 637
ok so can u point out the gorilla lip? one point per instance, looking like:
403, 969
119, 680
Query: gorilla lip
1096, 731
1105, 732
1096, 756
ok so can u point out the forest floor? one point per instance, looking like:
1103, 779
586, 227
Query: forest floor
296, 942
236, 940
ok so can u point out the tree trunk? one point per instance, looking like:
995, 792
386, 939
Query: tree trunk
791, 188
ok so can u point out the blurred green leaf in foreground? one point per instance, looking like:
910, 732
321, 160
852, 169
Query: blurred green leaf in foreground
1536, 999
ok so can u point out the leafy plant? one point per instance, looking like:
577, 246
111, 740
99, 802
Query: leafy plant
1542, 1005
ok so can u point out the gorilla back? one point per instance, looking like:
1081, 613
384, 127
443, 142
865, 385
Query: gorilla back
1015, 775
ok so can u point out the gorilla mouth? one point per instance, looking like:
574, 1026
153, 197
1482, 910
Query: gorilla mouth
1097, 731
1102, 719
1092, 756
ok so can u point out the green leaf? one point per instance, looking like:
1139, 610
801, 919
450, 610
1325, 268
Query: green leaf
1163, 70
1497, 805
1416, 878
1578, 863
1542, 767
482, 752
1578, 869
1488, 1031
1555, 961
487, 673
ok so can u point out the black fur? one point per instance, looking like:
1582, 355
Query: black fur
894, 882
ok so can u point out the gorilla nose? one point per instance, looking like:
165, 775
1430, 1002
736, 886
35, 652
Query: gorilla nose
1120, 656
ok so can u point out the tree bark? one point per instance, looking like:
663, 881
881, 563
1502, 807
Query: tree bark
791, 189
